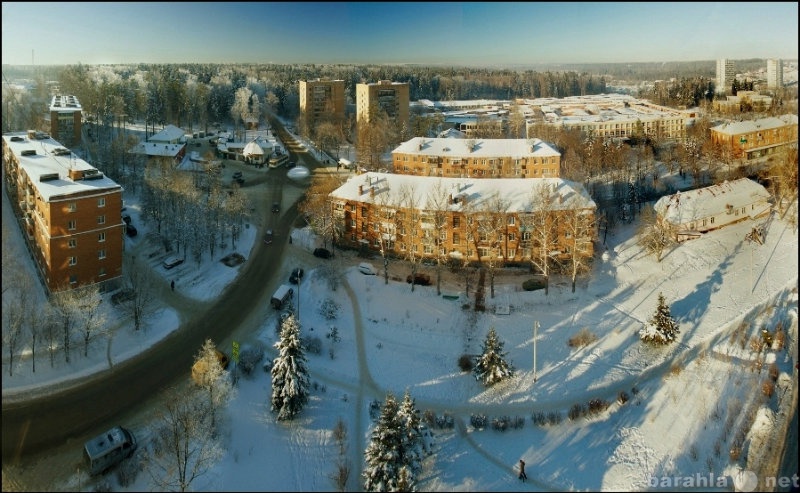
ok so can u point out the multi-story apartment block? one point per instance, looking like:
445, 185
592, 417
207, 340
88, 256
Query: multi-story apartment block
322, 99
725, 75
69, 211
65, 120
477, 158
774, 73
385, 95
756, 138
510, 219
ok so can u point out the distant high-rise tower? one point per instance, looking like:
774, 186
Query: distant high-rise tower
725, 75
384, 95
320, 99
774, 73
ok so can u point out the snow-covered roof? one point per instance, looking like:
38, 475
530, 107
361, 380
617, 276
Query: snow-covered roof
157, 149
684, 207
518, 193
65, 104
53, 159
452, 133
769, 123
168, 134
489, 148
253, 148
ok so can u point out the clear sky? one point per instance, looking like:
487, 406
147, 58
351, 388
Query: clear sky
458, 33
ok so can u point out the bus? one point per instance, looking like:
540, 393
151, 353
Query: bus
278, 160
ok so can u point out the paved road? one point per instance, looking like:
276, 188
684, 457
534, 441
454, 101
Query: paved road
39, 424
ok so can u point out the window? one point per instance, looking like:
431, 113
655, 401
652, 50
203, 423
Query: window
101, 219
73, 243
102, 272
456, 222
512, 236
71, 225
101, 254
72, 207
101, 202
456, 238
101, 237
73, 261
73, 279
443, 234
512, 220
512, 252
526, 236
352, 224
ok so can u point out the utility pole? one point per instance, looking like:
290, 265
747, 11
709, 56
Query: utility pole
535, 330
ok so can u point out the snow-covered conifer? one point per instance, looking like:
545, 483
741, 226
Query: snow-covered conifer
290, 383
491, 366
662, 328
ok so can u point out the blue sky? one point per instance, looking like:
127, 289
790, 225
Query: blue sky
460, 33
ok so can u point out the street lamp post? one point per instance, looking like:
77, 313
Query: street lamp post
535, 330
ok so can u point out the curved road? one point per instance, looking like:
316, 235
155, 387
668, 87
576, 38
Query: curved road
35, 425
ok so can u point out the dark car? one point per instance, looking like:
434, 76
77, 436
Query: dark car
322, 253
291, 164
296, 275
276, 207
237, 174
269, 236
419, 278
122, 296
130, 230
126, 218
239, 180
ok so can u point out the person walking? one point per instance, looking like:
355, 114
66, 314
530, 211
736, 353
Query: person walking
522, 474
172, 285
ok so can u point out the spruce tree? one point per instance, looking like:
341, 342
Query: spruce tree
290, 383
491, 366
384, 453
412, 435
662, 328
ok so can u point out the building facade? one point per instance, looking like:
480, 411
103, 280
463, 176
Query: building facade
476, 158
756, 138
725, 75
65, 120
691, 213
385, 95
70, 213
774, 73
322, 99
505, 219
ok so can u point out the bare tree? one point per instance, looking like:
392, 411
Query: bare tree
67, 307
316, 207
90, 318
579, 231
439, 203
212, 378
542, 224
342, 471
140, 281
184, 446
409, 222
654, 235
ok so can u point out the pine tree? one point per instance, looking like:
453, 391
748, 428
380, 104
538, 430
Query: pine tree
491, 366
662, 328
290, 383
384, 453
412, 435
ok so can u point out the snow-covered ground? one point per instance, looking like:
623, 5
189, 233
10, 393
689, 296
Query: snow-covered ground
687, 406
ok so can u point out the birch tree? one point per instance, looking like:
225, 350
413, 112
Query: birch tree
541, 222
579, 234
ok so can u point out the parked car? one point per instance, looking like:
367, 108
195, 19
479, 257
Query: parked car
322, 253
126, 218
296, 275
130, 230
237, 174
291, 164
276, 207
367, 269
269, 236
420, 279
171, 262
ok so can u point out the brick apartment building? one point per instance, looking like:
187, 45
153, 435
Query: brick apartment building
65, 120
69, 212
463, 218
385, 95
321, 99
477, 158
756, 138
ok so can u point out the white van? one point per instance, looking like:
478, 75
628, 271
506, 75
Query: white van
108, 449
367, 269
282, 295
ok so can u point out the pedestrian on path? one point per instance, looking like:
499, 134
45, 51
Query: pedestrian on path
172, 285
522, 474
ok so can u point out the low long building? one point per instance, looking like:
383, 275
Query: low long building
477, 158
463, 218
71, 214
756, 138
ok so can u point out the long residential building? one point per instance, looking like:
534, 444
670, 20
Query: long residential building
756, 138
71, 214
464, 218
477, 158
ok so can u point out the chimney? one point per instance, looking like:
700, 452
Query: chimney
372, 192
361, 190
451, 199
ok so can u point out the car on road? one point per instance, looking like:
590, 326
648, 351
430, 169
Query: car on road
296, 275
420, 279
269, 236
130, 230
239, 180
322, 253
276, 207
171, 262
237, 174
